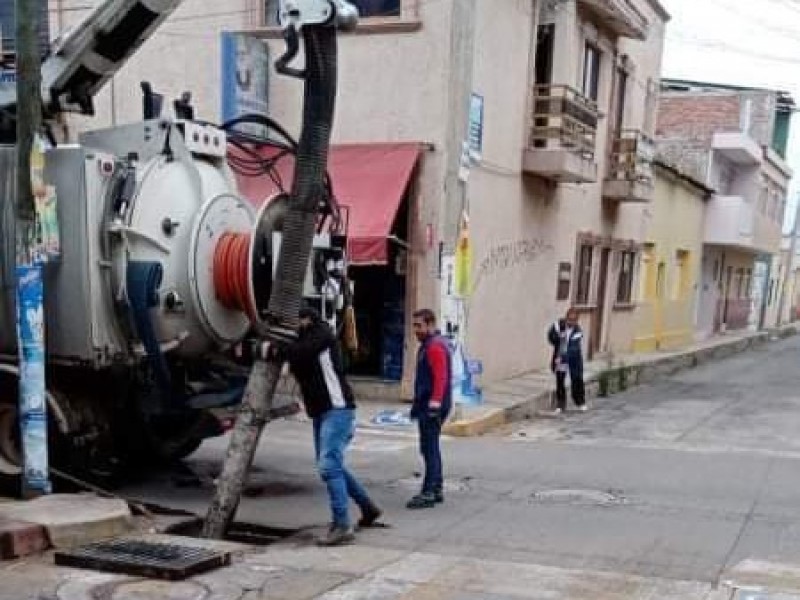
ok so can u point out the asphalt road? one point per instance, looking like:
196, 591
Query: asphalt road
679, 480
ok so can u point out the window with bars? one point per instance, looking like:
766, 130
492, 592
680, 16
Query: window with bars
625, 279
591, 71
585, 261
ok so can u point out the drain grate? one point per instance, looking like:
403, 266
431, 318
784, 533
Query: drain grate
139, 558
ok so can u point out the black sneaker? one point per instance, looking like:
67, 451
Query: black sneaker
369, 516
337, 536
438, 496
425, 500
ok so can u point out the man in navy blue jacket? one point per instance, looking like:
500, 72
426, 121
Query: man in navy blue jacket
432, 404
566, 337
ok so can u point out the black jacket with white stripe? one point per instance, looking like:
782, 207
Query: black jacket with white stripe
316, 362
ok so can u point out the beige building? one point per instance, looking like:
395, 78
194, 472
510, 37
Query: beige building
558, 100
556, 189
671, 261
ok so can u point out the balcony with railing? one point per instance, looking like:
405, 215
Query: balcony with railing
563, 136
620, 16
630, 173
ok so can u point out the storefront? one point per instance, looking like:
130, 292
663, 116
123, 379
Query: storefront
373, 184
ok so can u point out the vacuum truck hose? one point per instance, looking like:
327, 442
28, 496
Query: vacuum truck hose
308, 190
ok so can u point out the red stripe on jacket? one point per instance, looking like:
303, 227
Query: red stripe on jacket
437, 359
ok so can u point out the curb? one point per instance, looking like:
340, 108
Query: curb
19, 539
617, 379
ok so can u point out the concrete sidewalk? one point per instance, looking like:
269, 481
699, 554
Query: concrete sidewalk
531, 395
297, 570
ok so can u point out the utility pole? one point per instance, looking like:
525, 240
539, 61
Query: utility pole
30, 293
29, 114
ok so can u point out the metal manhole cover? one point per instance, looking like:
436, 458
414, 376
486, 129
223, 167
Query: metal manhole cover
593, 497
144, 559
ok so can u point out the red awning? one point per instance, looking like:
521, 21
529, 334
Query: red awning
370, 180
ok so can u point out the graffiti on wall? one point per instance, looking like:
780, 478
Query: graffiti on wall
509, 256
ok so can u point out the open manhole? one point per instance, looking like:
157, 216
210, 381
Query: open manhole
138, 558
576, 496
241, 533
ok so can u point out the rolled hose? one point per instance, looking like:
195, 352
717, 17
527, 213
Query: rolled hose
308, 187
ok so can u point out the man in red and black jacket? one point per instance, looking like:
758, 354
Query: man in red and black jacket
432, 403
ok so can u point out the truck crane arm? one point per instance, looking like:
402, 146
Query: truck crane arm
85, 58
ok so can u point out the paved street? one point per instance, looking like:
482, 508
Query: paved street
656, 493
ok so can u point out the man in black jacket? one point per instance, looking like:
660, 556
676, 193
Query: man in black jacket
316, 362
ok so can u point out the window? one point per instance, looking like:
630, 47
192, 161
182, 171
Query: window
748, 283
564, 281
739, 283
622, 93
625, 280
591, 72
366, 8
584, 275
647, 290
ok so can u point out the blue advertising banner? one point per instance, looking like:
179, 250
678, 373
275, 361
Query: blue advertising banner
32, 400
475, 127
245, 79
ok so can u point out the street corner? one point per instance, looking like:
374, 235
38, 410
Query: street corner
475, 421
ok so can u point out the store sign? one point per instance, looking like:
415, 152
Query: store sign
245, 79
476, 127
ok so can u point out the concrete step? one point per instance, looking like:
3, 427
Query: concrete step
71, 519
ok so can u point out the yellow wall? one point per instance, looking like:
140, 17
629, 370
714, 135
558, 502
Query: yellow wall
669, 270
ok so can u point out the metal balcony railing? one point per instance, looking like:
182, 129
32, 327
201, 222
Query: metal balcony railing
632, 157
564, 119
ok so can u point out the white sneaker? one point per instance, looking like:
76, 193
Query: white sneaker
557, 412
583, 408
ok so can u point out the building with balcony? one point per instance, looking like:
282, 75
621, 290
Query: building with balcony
555, 102
589, 156
734, 140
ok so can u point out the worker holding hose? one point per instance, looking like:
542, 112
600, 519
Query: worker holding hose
315, 361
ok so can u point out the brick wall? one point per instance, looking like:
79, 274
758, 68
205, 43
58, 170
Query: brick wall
696, 117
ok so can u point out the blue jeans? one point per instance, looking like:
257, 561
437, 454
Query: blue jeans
430, 430
333, 431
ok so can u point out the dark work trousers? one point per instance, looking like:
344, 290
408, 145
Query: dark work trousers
430, 430
578, 390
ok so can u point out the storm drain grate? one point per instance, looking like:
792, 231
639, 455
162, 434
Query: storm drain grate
138, 558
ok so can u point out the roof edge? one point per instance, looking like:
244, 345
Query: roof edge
686, 178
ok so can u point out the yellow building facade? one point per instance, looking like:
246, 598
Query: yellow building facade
671, 259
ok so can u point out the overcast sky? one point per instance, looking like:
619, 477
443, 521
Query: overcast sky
744, 42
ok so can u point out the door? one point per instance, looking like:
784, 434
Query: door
544, 54
726, 293
600, 311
